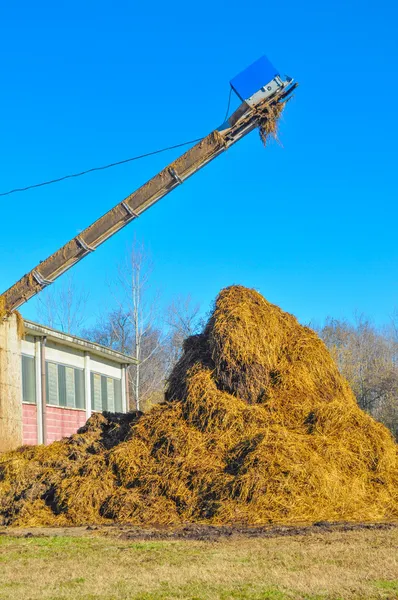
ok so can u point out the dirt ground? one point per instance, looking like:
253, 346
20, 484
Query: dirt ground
195, 531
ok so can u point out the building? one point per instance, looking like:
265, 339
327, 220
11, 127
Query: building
62, 380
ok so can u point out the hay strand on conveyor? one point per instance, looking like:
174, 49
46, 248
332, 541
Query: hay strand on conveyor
258, 426
269, 120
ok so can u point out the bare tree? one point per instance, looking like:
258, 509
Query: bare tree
114, 330
154, 370
183, 320
368, 359
63, 307
140, 304
392, 331
138, 327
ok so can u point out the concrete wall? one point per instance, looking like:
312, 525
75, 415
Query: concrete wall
10, 385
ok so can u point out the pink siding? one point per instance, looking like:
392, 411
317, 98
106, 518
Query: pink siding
29, 424
62, 422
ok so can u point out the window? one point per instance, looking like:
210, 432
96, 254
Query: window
65, 386
106, 393
28, 379
96, 401
118, 395
80, 393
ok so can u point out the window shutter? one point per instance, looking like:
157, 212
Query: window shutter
62, 385
79, 389
28, 379
118, 395
52, 384
70, 387
96, 392
110, 391
104, 392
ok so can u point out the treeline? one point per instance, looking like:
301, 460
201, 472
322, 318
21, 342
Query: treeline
367, 356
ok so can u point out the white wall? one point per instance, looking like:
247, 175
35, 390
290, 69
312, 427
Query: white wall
72, 357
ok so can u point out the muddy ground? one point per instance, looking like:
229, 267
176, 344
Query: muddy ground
194, 531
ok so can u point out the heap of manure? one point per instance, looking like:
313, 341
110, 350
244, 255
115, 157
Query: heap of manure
258, 426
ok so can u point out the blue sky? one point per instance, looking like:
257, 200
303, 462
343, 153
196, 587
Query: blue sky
312, 224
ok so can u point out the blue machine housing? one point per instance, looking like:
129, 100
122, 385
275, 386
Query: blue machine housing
254, 78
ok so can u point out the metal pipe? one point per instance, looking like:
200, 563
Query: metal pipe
43, 387
126, 374
87, 384
39, 397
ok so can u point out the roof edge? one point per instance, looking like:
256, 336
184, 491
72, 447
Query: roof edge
73, 341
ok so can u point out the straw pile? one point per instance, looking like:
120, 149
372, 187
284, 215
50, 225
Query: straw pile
258, 426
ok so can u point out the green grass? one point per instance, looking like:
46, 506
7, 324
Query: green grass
335, 566
390, 586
